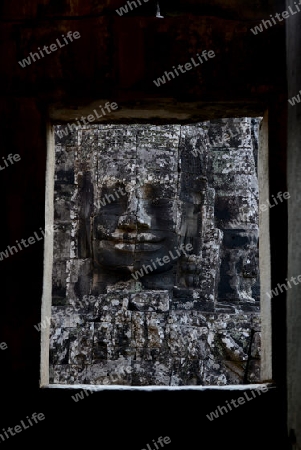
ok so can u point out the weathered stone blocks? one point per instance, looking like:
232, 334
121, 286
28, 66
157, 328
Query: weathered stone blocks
125, 196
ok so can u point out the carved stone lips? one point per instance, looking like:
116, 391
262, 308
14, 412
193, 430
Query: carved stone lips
137, 247
133, 238
136, 242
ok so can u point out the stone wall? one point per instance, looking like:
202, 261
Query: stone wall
125, 198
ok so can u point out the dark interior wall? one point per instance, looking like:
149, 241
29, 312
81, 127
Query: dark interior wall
117, 59
294, 263
230, 9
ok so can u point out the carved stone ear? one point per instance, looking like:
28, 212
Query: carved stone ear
85, 211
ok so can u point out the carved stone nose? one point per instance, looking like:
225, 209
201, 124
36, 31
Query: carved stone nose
135, 216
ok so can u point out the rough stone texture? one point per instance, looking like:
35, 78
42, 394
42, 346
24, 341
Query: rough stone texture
126, 196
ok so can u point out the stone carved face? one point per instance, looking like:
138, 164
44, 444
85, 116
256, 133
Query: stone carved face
135, 226
147, 202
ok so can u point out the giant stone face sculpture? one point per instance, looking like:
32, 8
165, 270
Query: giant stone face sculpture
138, 223
158, 293
136, 230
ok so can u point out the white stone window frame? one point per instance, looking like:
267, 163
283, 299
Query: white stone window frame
58, 116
